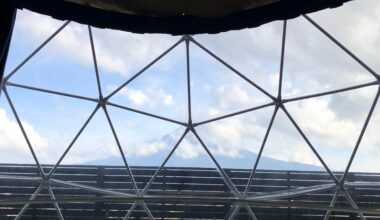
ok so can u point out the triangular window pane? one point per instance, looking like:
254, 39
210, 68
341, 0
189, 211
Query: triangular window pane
52, 131
313, 63
217, 90
254, 52
64, 64
160, 90
333, 123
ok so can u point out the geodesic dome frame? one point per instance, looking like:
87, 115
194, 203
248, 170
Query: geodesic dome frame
237, 198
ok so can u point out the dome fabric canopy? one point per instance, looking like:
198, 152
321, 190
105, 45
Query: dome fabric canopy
176, 17
164, 8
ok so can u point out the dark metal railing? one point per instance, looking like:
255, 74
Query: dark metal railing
181, 193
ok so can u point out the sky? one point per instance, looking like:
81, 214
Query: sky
312, 64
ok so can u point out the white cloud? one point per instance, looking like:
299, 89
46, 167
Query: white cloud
138, 97
357, 26
232, 95
150, 97
226, 98
312, 61
150, 148
12, 139
188, 149
168, 100
117, 52
317, 118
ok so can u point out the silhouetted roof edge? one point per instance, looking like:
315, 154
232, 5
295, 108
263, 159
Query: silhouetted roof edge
178, 24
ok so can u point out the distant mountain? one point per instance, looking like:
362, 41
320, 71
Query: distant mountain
245, 161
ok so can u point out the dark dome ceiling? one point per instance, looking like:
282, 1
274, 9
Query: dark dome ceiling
176, 17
